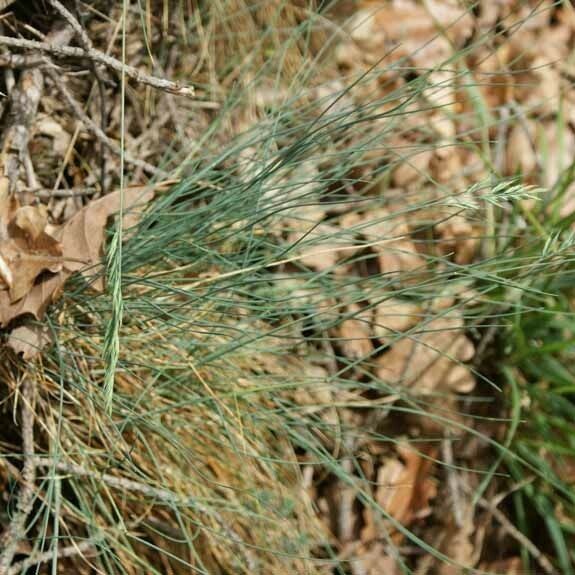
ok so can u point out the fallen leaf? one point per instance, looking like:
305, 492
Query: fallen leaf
26, 262
394, 316
521, 156
511, 566
27, 251
463, 539
459, 238
61, 138
432, 359
29, 340
371, 560
422, 33
32, 220
404, 490
389, 237
412, 169
35, 302
83, 236
322, 245
354, 334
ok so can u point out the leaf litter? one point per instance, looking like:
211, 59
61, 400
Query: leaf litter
37, 258
418, 349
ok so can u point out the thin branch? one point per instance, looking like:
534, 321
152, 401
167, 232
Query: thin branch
47, 556
86, 43
47, 193
96, 130
453, 482
522, 539
99, 58
16, 531
83, 37
9, 60
24, 102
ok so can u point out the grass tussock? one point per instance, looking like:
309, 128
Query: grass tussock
332, 303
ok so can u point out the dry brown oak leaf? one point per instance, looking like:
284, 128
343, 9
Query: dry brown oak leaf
36, 259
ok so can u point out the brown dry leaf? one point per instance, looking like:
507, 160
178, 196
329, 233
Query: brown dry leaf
400, 256
34, 302
458, 237
83, 236
322, 245
559, 146
461, 543
29, 340
511, 566
424, 33
26, 261
394, 316
32, 220
26, 250
371, 560
389, 236
354, 334
413, 169
47, 126
521, 156
431, 360
404, 490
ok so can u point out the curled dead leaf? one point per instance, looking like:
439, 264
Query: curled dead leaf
29, 340
32, 220
35, 302
35, 264
26, 250
60, 137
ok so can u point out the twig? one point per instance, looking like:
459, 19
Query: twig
86, 43
100, 58
39, 558
111, 41
522, 539
96, 130
453, 482
348, 497
47, 193
74, 24
30, 172
9, 60
6, 3
16, 531
24, 101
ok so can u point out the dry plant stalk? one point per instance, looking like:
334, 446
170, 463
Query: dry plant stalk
16, 530
99, 58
